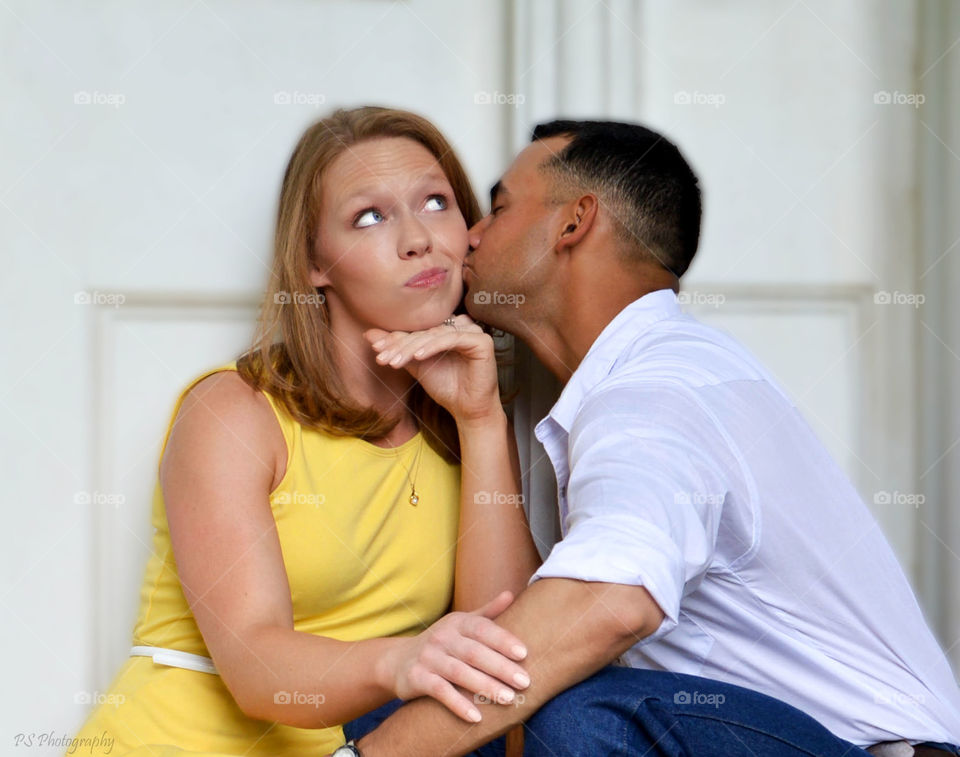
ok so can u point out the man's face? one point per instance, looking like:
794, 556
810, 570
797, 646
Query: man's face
512, 246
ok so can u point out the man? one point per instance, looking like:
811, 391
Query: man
709, 541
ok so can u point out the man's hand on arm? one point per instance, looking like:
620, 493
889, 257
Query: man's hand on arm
571, 629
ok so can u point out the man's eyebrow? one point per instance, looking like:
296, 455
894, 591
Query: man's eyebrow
497, 189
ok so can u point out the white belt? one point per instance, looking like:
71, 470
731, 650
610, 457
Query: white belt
174, 658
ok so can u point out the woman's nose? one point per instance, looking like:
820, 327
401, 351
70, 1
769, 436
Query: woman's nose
415, 240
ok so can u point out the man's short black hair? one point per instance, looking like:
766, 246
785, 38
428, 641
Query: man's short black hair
640, 177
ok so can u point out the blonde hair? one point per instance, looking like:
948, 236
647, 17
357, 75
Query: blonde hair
301, 372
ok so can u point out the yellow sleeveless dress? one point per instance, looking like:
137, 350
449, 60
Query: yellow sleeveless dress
362, 563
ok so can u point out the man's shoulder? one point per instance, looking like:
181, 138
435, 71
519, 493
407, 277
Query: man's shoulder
685, 352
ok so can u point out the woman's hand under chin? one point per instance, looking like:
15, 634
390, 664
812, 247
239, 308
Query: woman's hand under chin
454, 364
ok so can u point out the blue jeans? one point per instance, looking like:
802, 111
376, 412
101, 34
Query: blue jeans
628, 712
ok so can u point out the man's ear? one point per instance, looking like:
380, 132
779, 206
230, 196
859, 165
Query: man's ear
577, 219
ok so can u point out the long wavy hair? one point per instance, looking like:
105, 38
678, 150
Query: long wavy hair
300, 371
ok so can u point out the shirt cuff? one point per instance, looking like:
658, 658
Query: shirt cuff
620, 549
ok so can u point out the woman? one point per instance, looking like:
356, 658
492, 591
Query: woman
312, 520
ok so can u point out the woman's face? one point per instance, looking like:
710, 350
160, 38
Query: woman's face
391, 240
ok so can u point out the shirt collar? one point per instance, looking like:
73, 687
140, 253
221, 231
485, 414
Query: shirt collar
628, 324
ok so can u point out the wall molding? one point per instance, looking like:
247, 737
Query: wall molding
110, 526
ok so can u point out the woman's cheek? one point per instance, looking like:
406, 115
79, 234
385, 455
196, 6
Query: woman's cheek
458, 242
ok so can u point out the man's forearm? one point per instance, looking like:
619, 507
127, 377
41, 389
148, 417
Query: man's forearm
571, 629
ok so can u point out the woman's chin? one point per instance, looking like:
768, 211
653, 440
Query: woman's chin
419, 321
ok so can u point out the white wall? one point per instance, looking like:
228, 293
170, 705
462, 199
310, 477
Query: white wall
167, 199
164, 194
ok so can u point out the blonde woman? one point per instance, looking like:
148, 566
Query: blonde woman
317, 513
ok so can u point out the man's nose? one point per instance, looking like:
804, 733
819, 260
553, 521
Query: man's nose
475, 233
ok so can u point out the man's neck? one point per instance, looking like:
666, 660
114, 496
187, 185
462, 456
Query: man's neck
561, 342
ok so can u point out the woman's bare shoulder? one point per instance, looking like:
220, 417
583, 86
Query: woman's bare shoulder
222, 414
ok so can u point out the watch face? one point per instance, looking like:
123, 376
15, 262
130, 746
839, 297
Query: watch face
346, 751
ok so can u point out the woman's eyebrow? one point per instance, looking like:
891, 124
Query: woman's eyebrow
374, 189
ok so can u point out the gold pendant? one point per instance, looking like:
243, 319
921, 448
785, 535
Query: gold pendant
414, 498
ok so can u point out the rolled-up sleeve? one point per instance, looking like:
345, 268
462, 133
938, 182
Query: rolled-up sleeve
644, 497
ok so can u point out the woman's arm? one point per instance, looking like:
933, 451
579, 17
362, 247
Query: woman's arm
457, 367
495, 550
225, 455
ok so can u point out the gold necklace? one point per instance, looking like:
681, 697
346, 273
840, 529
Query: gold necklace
414, 498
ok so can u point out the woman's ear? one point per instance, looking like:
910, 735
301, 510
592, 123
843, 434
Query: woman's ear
317, 277
577, 221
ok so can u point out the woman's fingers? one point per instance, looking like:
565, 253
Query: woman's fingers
426, 345
466, 323
496, 605
495, 637
493, 670
478, 683
462, 649
382, 340
398, 351
376, 335
444, 692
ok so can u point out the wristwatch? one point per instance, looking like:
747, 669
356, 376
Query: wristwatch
347, 750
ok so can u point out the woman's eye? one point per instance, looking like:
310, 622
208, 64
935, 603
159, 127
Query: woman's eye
436, 202
367, 218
